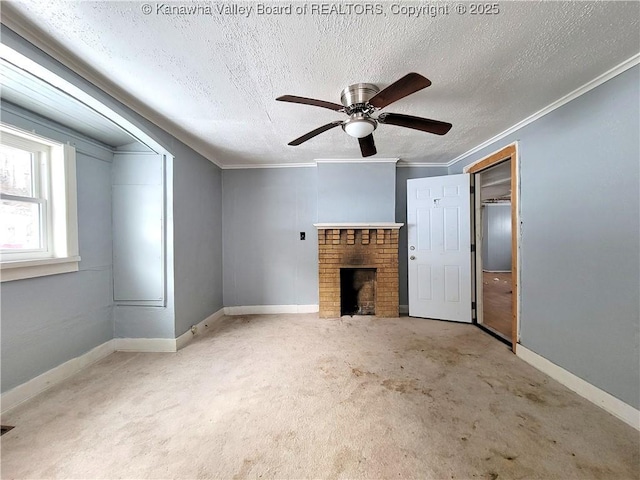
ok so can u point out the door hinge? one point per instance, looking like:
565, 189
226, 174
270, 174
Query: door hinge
473, 247
473, 189
473, 305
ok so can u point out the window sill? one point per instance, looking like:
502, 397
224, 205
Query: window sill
21, 269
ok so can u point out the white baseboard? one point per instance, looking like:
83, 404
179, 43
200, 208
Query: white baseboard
606, 401
270, 309
14, 397
50, 378
145, 345
187, 336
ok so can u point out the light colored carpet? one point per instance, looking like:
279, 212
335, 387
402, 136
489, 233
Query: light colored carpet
294, 396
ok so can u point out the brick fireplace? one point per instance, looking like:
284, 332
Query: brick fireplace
369, 248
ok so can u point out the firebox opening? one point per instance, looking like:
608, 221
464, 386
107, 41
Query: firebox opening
357, 291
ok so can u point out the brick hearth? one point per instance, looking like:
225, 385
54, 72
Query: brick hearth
353, 246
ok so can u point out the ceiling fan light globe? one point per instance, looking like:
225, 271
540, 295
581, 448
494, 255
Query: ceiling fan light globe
359, 128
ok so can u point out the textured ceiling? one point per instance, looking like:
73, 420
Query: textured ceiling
212, 79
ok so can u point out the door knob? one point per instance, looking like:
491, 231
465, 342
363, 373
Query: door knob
412, 257
412, 247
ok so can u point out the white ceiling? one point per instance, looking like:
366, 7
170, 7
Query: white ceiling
212, 80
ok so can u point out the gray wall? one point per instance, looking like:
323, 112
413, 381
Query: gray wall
356, 192
580, 245
265, 262
149, 322
402, 175
49, 320
496, 237
197, 206
263, 212
194, 251
138, 188
137, 321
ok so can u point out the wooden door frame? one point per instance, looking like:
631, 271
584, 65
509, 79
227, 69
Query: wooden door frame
510, 152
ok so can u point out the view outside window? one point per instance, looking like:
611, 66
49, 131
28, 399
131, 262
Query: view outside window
20, 208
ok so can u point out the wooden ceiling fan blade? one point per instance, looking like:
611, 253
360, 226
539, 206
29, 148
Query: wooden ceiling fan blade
367, 145
407, 85
313, 133
310, 101
417, 123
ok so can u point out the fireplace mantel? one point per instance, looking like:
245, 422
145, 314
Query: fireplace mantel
354, 226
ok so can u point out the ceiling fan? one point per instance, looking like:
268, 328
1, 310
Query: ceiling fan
360, 101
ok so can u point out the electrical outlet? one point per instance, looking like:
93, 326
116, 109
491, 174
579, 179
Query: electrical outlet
302, 235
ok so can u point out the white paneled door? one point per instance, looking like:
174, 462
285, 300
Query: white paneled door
439, 247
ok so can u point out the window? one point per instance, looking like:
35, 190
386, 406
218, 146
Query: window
38, 213
24, 207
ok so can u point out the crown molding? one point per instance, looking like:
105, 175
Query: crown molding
248, 166
356, 160
310, 165
596, 82
403, 164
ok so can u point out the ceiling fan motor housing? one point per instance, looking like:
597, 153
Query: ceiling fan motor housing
358, 94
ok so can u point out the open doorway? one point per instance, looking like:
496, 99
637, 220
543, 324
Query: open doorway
496, 259
495, 249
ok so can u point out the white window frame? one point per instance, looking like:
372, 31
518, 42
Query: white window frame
55, 166
41, 156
